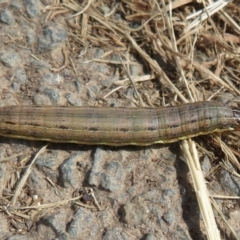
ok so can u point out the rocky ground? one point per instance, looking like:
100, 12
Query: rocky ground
89, 192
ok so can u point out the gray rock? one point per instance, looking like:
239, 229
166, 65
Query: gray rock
3, 174
93, 91
230, 183
104, 9
170, 217
6, 17
32, 7
68, 173
72, 100
116, 57
129, 92
16, 4
53, 94
167, 195
113, 176
98, 162
135, 70
118, 17
109, 81
150, 236
62, 236
158, 213
56, 221
133, 214
31, 36
19, 237
98, 53
36, 182
15, 86
107, 218
206, 165
102, 68
40, 99
48, 2
20, 75
134, 25
78, 84
10, 59
170, 169
1, 171
81, 223
47, 164
110, 176
50, 37
153, 195
180, 233
115, 233
52, 79
36, 64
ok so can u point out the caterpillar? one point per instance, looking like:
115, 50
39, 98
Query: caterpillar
117, 126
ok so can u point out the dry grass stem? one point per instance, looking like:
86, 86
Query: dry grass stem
22, 181
191, 156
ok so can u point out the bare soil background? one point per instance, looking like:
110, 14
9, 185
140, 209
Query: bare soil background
118, 54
